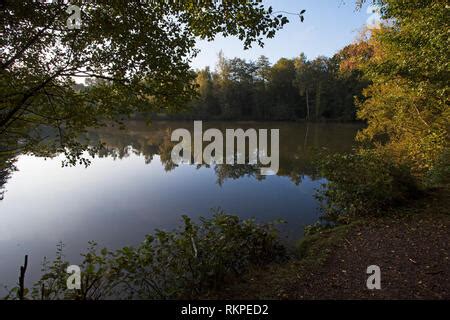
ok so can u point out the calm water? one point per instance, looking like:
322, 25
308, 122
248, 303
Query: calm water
131, 188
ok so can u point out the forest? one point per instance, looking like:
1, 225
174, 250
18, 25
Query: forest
290, 89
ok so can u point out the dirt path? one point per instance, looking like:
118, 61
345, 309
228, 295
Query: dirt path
412, 251
413, 257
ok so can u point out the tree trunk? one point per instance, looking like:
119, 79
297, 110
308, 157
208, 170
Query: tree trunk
307, 105
23, 270
318, 102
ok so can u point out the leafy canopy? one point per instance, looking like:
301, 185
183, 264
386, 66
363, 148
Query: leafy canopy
406, 107
137, 54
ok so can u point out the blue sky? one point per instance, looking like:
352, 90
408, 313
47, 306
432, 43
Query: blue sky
329, 25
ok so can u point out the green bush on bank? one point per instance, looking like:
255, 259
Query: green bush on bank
440, 174
184, 263
363, 183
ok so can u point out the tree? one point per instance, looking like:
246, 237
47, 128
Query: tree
206, 104
407, 102
263, 69
320, 74
243, 76
303, 80
262, 98
311, 80
349, 82
282, 90
141, 50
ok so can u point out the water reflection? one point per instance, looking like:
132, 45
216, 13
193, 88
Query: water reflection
6, 168
132, 187
298, 143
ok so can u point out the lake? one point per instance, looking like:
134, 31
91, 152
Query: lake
131, 187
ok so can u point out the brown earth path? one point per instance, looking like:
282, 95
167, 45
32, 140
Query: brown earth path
411, 247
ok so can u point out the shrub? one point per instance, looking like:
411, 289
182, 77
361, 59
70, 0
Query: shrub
185, 263
440, 174
363, 183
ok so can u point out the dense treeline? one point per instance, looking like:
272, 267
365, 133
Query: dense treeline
291, 89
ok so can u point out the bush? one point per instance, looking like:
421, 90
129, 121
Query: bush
185, 263
440, 174
363, 183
